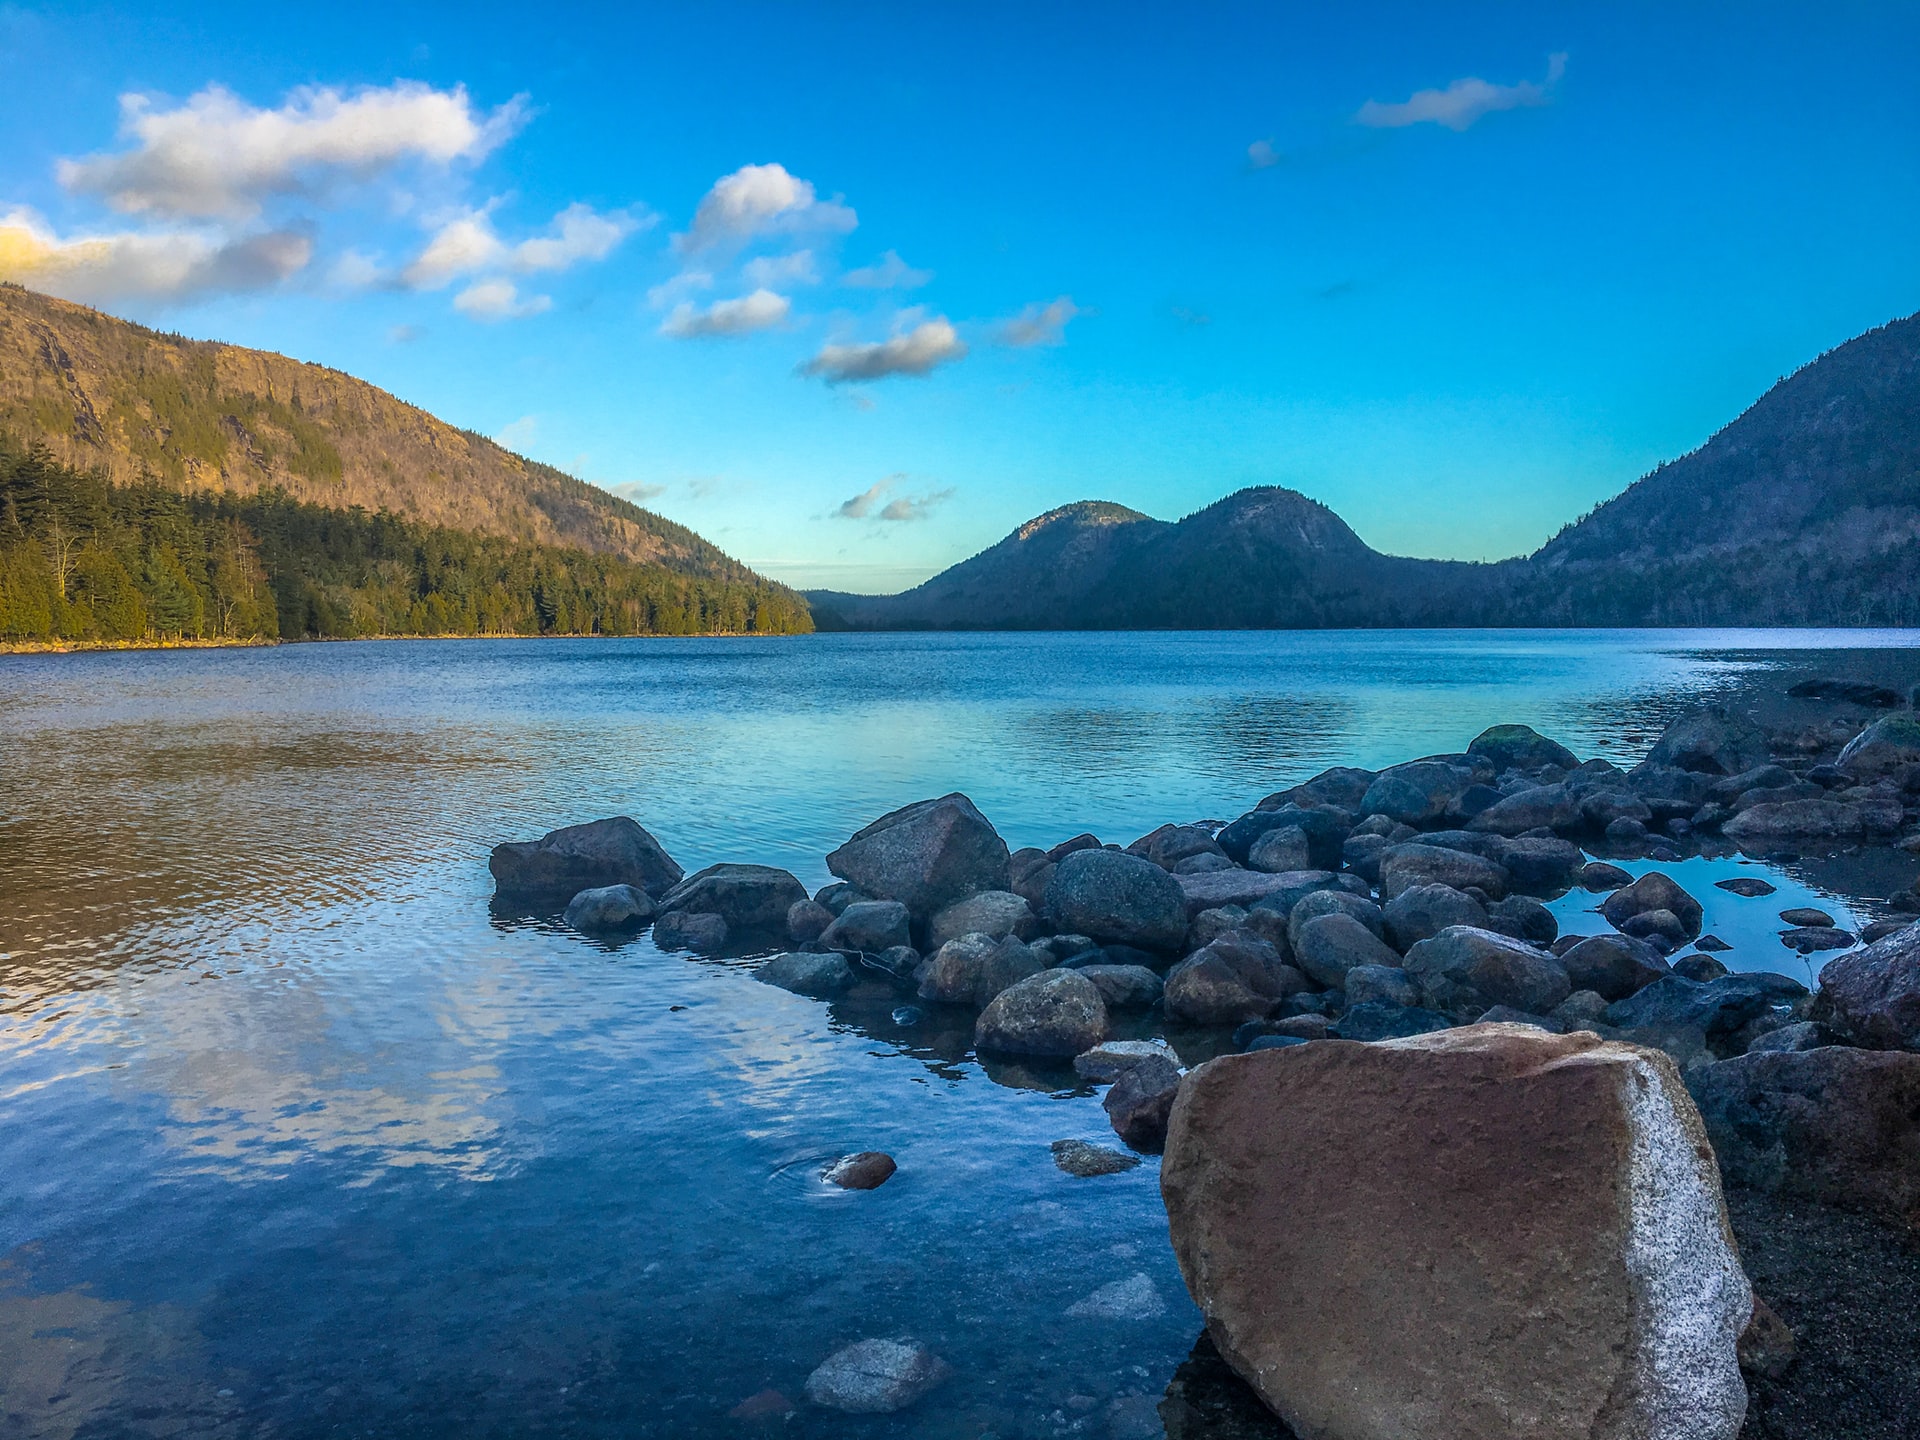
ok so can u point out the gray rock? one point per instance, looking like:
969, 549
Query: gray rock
1598, 876
1659, 927
1332, 902
1377, 1020
1381, 984
807, 921
1711, 740
1815, 820
1805, 915
1203, 865
1236, 978
1541, 864
1795, 1036
900, 963
1889, 746
868, 1170
1210, 925
1111, 1059
1140, 1101
1248, 888
1084, 1161
1699, 967
1133, 1298
1058, 1012
1668, 791
1614, 966
926, 855
1287, 890
1541, 805
1281, 850
871, 926
1603, 808
1404, 866
1325, 830
1747, 887
1116, 897
1810, 939
609, 910
1422, 911
1653, 891
1331, 945
836, 897
1520, 747
975, 968
1342, 787
562, 863
807, 973
876, 1377
702, 933
1462, 971
1417, 793
1362, 853
1125, 987
991, 912
747, 897
1507, 1015
1524, 918
1716, 1007
1170, 844
1581, 1010
1872, 996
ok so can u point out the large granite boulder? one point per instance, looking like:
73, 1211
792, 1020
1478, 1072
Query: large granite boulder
974, 968
1889, 746
1548, 807
609, 910
1342, 787
806, 973
747, 897
1119, 899
1832, 1124
1404, 866
1711, 740
1873, 995
1058, 1012
1464, 971
1420, 912
1520, 747
991, 912
926, 855
1330, 945
1653, 891
1613, 966
1815, 819
1487, 1232
1420, 792
562, 863
1324, 831
870, 926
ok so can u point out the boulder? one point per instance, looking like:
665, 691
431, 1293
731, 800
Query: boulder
1581, 1010
807, 973
1331, 945
1713, 1007
1170, 844
1598, 877
1325, 831
1420, 792
1524, 918
1603, 808
1422, 911
1116, 897
991, 912
1463, 970
1658, 927
1342, 787
871, 926
1281, 850
1082, 841
1872, 996
1797, 1035
1507, 1015
1140, 1101
747, 897
1811, 939
1711, 740
1548, 806
899, 963
1332, 902
807, 921
562, 863
1381, 984
1210, 925
1373, 1020
1487, 1232
1889, 746
836, 897
609, 910
1125, 987
1653, 891
1815, 820
1404, 866
1284, 891
1203, 865
1541, 864
1208, 988
1520, 747
1057, 1012
973, 969
926, 855
1109, 1060
1805, 915
1699, 967
1836, 1125
876, 1377
1613, 966
1361, 854
1669, 792
868, 1170
694, 930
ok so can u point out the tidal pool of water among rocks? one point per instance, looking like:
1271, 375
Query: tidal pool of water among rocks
297, 1140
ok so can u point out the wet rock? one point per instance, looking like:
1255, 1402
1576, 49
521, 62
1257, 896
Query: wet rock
1524, 918
1766, 1346
991, 912
1806, 915
869, 925
1423, 911
761, 1405
926, 855
1889, 746
1547, 1203
1837, 1125
1111, 1059
1541, 864
1084, 1161
1362, 854
1281, 850
1379, 1020
1627, 832
975, 968
1711, 740
1520, 747
1248, 888
807, 973
1872, 996
1203, 865
1699, 967
1404, 866
1716, 1007
807, 921
1653, 891
1125, 987
1057, 1012
1810, 939
836, 897
1170, 844
1342, 787
1657, 926
1748, 887
1854, 692
1133, 1298
1116, 897
1598, 876
747, 897
1604, 808
1333, 902
609, 910
1331, 945
1082, 841
1069, 950
899, 963
701, 933
1210, 925
876, 1377
1134, 1417
868, 1170
1815, 820
1880, 929
1541, 805
1139, 1102
1711, 943
1462, 971
1326, 832
1381, 984
1236, 978
562, 863
1418, 793
1614, 966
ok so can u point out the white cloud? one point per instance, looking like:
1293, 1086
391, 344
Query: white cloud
1262, 156
462, 245
668, 292
891, 273
761, 310
577, 233
868, 504
637, 491
218, 157
468, 243
404, 334
354, 271
156, 265
498, 300
1463, 102
1040, 324
916, 352
795, 269
760, 200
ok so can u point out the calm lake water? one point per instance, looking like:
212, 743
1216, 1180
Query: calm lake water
295, 1140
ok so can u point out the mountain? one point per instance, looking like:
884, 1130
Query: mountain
198, 416
1803, 511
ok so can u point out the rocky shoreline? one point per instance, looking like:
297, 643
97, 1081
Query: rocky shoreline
1402, 910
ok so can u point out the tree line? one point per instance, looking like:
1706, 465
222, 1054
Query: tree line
85, 560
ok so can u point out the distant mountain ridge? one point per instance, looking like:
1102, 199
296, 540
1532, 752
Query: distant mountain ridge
1803, 511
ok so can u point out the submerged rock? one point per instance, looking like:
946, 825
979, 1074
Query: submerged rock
806, 973
562, 863
1084, 1161
1057, 1012
609, 910
1133, 1298
1119, 898
876, 1377
926, 855
697, 931
1111, 1059
1653, 891
1544, 1209
1748, 887
868, 1170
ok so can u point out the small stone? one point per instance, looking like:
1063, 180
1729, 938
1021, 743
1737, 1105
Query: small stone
1133, 1298
1111, 1059
1085, 1161
876, 1377
807, 921
1700, 967
1712, 943
1807, 915
870, 926
868, 1170
1808, 939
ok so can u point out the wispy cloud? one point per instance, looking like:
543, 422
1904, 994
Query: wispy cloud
637, 491
761, 310
759, 200
878, 502
889, 273
467, 243
499, 300
915, 352
769, 270
1262, 156
1463, 102
1040, 324
519, 434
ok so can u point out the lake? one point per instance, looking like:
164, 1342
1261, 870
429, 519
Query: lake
297, 1140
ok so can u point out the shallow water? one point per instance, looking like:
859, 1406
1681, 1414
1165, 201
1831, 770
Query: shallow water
296, 1140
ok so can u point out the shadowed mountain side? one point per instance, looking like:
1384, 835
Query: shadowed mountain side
1804, 511
200, 417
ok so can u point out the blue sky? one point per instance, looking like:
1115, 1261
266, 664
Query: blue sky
855, 289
